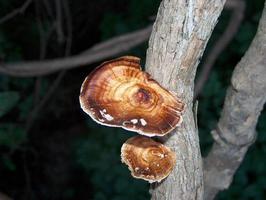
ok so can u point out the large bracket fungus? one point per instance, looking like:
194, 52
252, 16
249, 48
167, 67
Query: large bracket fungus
147, 159
118, 93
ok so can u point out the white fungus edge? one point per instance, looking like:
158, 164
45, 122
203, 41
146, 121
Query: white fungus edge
148, 134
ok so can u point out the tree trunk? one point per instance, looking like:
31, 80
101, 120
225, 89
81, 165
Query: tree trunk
180, 33
235, 131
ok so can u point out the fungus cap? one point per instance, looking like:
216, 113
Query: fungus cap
119, 94
147, 159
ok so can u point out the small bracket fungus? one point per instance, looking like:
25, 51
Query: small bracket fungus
119, 94
147, 159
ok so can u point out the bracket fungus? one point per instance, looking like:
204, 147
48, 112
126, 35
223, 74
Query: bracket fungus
119, 94
147, 159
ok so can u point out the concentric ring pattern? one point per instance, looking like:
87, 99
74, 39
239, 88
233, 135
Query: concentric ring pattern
118, 93
147, 159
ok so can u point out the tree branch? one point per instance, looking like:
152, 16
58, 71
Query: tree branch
99, 52
37, 109
238, 7
16, 12
59, 22
235, 130
178, 39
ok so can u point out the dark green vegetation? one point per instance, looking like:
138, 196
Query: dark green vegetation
59, 152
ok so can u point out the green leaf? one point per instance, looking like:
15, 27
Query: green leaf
7, 101
25, 107
11, 135
8, 163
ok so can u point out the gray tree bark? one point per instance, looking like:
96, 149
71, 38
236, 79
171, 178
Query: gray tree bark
180, 33
235, 130
179, 36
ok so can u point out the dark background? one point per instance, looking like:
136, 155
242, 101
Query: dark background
53, 150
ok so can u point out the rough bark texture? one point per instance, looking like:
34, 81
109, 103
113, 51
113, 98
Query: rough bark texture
238, 9
178, 39
235, 131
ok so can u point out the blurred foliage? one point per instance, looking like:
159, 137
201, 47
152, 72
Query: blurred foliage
90, 155
7, 101
11, 135
99, 154
8, 50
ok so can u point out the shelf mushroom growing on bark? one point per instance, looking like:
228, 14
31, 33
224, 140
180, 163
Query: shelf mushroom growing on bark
147, 159
119, 94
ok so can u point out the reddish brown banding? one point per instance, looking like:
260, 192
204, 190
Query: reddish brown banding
147, 159
118, 93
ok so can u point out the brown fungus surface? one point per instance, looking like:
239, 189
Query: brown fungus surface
118, 93
147, 159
